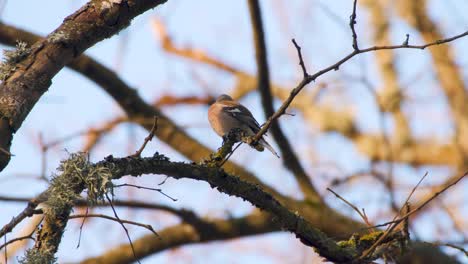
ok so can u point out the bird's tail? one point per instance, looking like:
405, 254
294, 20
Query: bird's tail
265, 144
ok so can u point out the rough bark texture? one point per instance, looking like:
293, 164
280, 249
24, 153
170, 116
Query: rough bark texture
32, 74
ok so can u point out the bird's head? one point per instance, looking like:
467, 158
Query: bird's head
224, 97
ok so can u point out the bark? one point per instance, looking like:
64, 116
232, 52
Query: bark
29, 77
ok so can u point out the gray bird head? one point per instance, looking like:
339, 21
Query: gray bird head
224, 97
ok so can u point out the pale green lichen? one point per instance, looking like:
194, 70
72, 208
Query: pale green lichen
33, 256
11, 58
58, 37
77, 173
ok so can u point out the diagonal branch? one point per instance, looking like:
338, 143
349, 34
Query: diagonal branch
289, 157
234, 186
78, 174
415, 152
308, 79
29, 75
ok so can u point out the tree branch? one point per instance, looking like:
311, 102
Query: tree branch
29, 76
289, 157
282, 110
232, 185
415, 152
183, 234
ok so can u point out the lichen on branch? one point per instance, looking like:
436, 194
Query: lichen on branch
11, 58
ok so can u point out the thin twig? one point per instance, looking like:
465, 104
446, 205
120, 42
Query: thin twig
81, 226
406, 42
29, 236
290, 158
395, 223
301, 60
123, 226
163, 181
27, 212
362, 215
414, 189
146, 188
230, 154
437, 244
148, 138
84, 216
309, 78
352, 23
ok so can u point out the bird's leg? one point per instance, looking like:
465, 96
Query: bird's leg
219, 157
235, 135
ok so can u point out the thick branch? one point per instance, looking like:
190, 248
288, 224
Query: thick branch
31, 77
233, 185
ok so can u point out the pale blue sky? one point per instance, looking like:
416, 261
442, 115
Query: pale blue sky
222, 29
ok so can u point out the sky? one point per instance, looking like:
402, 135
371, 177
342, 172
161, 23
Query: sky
222, 29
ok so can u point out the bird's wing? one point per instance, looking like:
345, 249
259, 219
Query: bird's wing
243, 115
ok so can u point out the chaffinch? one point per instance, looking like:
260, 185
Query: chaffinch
226, 114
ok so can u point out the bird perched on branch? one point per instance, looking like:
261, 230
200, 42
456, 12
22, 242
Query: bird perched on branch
226, 115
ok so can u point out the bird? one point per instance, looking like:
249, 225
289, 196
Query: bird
226, 114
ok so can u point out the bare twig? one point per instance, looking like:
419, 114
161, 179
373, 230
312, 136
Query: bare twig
301, 60
81, 226
184, 214
413, 190
290, 158
246, 82
395, 223
29, 236
434, 196
352, 23
309, 78
406, 42
230, 154
123, 226
84, 216
148, 138
438, 244
27, 212
361, 214
146, 188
